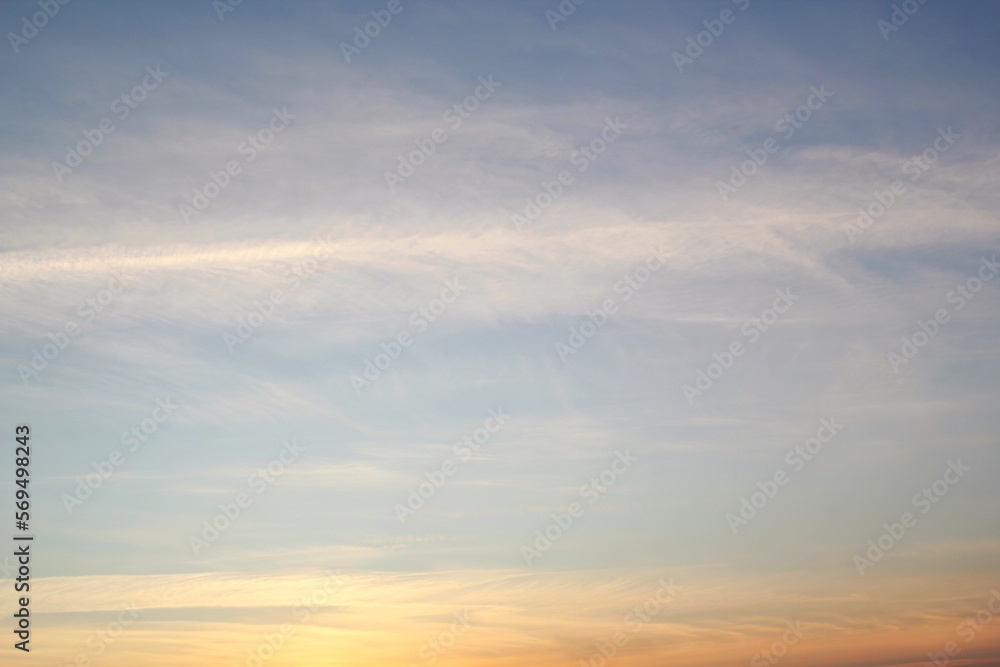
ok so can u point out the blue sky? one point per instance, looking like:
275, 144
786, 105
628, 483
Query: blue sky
386, 254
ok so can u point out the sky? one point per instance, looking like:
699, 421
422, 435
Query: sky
398, 332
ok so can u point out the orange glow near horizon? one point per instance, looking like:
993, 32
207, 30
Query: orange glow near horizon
694, 618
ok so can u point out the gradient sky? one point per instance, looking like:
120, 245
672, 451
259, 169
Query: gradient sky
328, 525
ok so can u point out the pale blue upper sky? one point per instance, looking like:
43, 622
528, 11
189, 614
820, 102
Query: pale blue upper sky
495, 346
